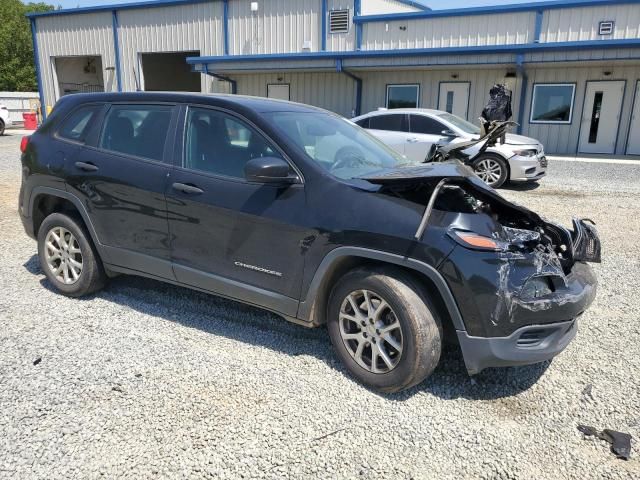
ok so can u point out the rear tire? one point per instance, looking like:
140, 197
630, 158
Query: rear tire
492, 169
68, 257
384, 329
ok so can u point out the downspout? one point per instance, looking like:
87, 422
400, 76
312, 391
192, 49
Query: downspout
357, 8
116, 48
323, 23
232, 82
358, 81
36, 57
225, 26
524, 79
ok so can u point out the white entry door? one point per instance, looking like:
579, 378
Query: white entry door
601, 116
279, 91
454, 98
633, 144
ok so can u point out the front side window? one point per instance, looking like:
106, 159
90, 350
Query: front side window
219, 143
426, 125
76, 126
337, 145
396, 122
403, 96
139, 130
552, 103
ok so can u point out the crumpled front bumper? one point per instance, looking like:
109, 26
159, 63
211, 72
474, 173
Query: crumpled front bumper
536, 341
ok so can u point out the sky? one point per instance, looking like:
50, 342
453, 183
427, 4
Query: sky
434, 4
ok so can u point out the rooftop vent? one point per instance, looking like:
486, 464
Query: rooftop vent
606, 27
339, 21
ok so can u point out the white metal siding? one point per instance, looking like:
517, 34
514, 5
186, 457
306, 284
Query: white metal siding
564, 138
69, 35
341, 41
332, 91
463, 31
375, 7
168, 29
429, 80
579, 24
279, 26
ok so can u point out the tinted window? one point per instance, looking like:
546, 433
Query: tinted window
422, 124
76, 126
222, 144
139, 130
552, 103
394, 123
364, 123
402, 96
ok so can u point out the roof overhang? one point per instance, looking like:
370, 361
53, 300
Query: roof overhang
420, 57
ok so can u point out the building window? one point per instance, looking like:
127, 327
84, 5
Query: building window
552, 103
403, 96
606, 27
339, 21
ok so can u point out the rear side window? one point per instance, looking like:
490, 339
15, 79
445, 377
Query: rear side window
364, 123
422, 124
221, 144
393, 122
76, 126
139, 130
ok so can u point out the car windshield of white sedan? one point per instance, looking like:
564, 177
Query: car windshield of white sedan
338, 145
460, 123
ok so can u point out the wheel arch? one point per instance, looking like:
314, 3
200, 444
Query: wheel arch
339, 261
46, 200
502, 157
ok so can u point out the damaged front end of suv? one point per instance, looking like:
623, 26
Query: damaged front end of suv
519, 280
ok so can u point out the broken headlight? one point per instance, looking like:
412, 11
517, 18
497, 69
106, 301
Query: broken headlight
477, 242
528, 152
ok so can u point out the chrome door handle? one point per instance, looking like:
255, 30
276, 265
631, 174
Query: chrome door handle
186, 188
413, 140
87, 167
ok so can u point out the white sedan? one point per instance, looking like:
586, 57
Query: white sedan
5, 121
412, 131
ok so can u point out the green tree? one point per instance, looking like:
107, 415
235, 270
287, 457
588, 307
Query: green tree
17, 69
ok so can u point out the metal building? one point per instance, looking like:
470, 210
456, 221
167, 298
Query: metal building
573, 65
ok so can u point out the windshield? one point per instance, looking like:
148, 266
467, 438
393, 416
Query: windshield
336, 144
460, 123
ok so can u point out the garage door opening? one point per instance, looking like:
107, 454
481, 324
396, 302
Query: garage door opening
169, 72
79, 74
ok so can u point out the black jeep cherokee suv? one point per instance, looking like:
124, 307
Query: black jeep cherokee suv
299, 211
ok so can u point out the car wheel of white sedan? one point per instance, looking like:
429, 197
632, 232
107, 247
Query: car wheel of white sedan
491, 169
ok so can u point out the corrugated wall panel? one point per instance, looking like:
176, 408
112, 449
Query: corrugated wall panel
279, 26
578, 24
563, 139
332, 91
69, 35
475, 30
375, 86
341, 41
375, 7
194, 27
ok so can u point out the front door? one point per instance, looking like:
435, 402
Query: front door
601, 116
454, 98
633, 144
238, 239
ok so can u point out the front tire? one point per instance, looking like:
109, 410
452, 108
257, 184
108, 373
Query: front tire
492, 169
384, 329
2, 127
68, 257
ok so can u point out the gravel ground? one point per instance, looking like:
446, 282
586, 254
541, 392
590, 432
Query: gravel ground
148, 379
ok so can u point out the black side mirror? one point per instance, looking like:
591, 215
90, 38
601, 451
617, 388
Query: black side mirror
272, 170
449, 133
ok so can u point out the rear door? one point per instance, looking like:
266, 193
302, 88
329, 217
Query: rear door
121, 175
425, 131
392, 129
229, 236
